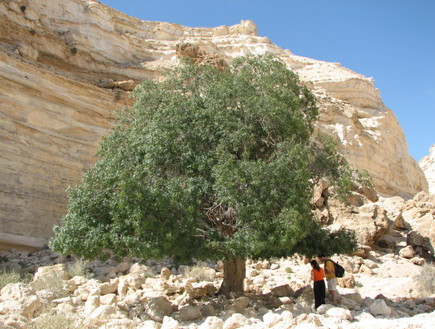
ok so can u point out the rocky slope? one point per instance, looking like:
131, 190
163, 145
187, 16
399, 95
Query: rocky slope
386, 285
427, 164
66, 65
278, 295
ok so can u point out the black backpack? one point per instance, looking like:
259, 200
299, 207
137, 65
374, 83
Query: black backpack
339, 270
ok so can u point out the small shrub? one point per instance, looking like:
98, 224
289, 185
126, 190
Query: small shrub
364, 178
23, 8
289, 270
426, 281
73, 50
358, 284
199, 273
52, 282
78, 268
12, 276
7, 277
53, 320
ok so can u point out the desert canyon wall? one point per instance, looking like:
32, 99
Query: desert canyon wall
427, 164
65, 66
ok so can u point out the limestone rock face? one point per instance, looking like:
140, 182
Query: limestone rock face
66, 65
427, 164
419, 213
369, 222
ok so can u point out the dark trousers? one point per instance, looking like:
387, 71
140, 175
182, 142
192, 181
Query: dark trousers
319, 293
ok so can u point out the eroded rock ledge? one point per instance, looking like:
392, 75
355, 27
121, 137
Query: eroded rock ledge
66, 65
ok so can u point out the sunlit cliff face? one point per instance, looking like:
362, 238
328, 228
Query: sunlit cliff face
66, 65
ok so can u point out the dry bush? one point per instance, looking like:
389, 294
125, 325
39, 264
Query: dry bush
12, 276
200, 273
51, 320
54, 320
426, 281
78, 268
7, 277
52, 282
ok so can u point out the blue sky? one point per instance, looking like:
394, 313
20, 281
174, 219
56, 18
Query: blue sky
392, 41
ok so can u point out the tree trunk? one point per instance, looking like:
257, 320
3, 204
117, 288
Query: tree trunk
234, 274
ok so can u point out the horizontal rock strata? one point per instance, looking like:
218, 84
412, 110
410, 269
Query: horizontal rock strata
66, 65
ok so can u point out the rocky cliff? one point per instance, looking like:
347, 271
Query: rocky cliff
427, 164
66, 65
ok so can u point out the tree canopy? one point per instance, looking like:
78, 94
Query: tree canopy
209, 163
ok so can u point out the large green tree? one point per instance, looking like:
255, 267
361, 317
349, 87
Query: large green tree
209, 163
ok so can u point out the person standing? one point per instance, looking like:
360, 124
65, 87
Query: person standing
331, 279
317, 275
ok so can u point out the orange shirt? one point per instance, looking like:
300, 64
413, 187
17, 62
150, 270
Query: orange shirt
318, 275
